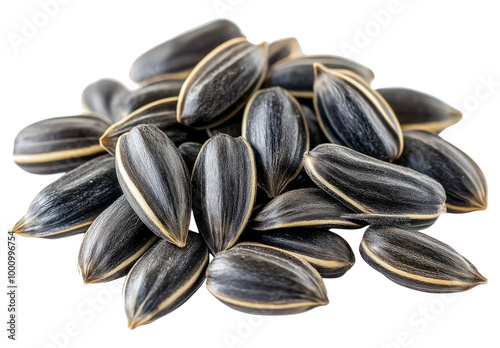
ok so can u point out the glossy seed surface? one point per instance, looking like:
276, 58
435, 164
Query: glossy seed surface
113, 243
418, 261
71, 203
155, 181
462, 179
284, 48
417, 110
380, 192
352, 114
101, 96
224, 189
237, 67
275, 126
163, 279
59, 144
289, 285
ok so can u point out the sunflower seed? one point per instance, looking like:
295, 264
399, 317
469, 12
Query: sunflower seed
354, 115
237, 66
289, 284
461, 177
100, 96
284, 48
297, 74
417, 110
71, 203
231, 127
380, 192
275, 126
326, 251
316, 135
189, 152
303, 207
113, 243
180, 54
163, 279
160, 113
59, 144
418, 261
224, 188
155, 180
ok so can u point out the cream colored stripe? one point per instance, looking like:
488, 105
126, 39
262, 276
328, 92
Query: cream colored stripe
58, 155
69, 229
312, 223
430, 126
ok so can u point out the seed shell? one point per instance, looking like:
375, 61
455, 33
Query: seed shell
236, 66
381, 193
461, 177
289, 285
284, 48
275, 126
418, 261
352, 114
155, 181
59, 144
417, 110
163, 279
71, 203
101, 96
326, 251
181, 53
224, 189
189, 152
316, 135
113, 243
231, 127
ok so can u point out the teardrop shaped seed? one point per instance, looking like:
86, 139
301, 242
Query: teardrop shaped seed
284, 48
231, 127
354, 115
297, 74
304, 207
155, 180
59, 144
224, 188
162, 114
113, 243
181, 53
316, 135
101, 96
220, 85
275, 126
381, 193
71, 203
418, 261
163, 279
417, 110
189, 152
461, 177
326, 251
139, 97
289, 284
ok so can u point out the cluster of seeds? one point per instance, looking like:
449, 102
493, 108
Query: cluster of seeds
270, 149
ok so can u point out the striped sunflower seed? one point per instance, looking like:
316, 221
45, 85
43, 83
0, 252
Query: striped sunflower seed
155, 180
304, 207
461, 177
380, 192
281, 49
237, 66
326, 251
113, 243
417, 110
289, 285
163, 279
297, 74
59, 144
352, 114
275, 126
161, 114
71, 203
100, 97
418, 261
180, 54
189, 152
224, 189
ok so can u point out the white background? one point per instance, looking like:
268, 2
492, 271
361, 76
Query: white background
446, 48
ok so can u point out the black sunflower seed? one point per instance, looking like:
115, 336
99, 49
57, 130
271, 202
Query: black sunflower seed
101, 96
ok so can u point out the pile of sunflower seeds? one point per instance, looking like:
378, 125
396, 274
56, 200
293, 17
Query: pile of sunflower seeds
270, 149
